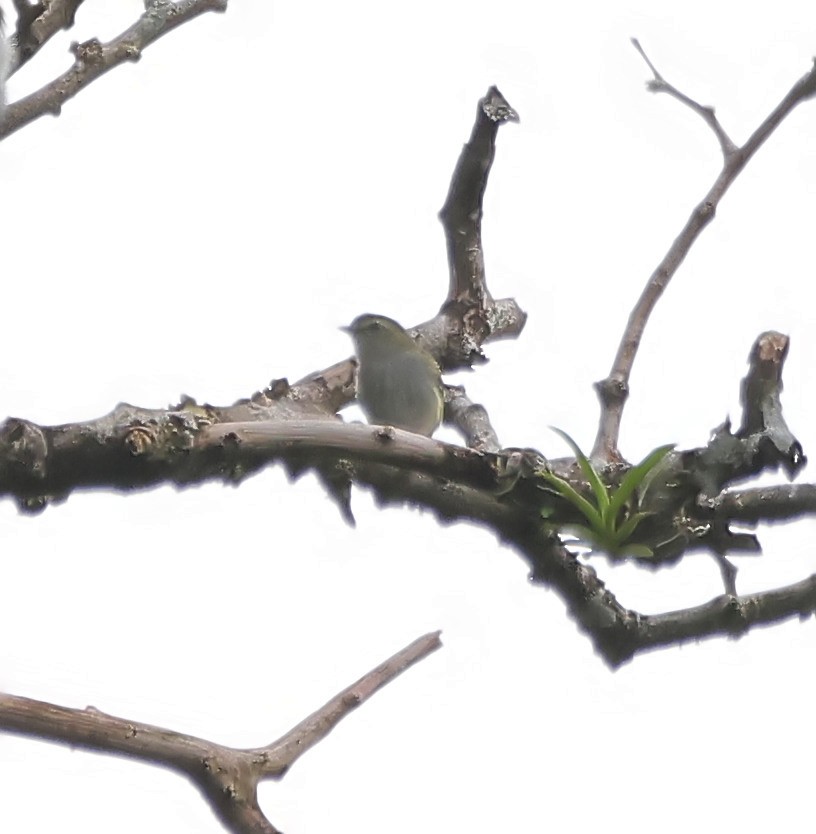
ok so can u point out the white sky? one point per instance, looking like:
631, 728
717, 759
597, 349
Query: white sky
203, 221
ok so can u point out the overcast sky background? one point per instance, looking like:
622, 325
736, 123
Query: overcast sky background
204, 220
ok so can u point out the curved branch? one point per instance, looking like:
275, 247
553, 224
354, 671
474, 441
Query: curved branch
617, 633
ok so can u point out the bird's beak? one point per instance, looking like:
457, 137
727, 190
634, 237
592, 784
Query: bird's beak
345, 328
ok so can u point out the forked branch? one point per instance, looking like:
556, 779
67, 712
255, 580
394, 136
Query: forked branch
614, 390
227, 777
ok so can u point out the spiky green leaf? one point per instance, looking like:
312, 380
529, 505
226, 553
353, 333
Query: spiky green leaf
637, 551
635, 477
598, 486
623, 533
568, 491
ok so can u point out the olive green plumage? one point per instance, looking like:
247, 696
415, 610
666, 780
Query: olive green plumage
398, 382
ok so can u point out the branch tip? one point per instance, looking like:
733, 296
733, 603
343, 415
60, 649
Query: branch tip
657, 76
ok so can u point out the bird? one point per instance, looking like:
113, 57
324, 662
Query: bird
398, 382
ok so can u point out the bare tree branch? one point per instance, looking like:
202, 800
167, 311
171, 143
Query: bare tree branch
761, 404
227, 777
614, 390
504, 492
461, 215
726, 616
470, 312
619, 634
93, 59
660, 85
781, 502
191, 443
37, 23
135, 447
471, 419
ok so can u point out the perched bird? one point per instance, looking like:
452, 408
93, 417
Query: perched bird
398, 382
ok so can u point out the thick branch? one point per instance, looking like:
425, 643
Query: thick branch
256, 444
781, 502
614, 390
227, 777
461, 215
761, 399
134, 447
617, 634
93, 59
505, 492
470, 312
726, 615
763, 441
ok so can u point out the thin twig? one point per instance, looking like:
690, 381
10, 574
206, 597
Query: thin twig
660, 85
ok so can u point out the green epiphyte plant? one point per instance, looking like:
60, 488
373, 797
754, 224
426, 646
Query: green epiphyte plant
613, 518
